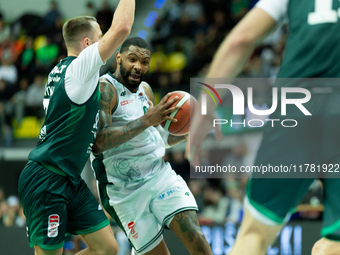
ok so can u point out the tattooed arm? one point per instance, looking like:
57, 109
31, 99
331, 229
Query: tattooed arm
109, 135
171, 139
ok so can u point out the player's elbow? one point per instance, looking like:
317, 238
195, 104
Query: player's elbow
122, 30
241, 41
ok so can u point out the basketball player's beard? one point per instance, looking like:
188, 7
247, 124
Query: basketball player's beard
125, 75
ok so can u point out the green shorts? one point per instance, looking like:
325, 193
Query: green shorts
55, 207
315, 140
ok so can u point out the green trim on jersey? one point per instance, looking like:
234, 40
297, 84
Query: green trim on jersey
54, 169
99, 169
93, 229
104, 197
76, 113
49, 247
190, 208
263, 210
329, 230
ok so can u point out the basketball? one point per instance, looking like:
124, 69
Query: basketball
188, 106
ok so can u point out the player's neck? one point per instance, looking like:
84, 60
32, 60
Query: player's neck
72, 54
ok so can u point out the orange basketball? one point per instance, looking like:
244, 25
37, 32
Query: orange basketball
188, 106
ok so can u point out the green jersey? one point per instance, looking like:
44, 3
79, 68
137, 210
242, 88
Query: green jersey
312, 46
67, 136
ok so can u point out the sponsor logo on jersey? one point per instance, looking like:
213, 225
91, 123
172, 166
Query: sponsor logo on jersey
131, 226
100, 208
169, 192
142, 97
126, 102
123, 94
53, 224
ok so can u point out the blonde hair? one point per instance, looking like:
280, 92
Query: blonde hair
76, 29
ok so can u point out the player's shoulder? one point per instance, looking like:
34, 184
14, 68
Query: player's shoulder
90, 50
147, 89
106, 85
146, 86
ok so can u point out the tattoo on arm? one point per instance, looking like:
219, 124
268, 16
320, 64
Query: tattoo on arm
173, 139
109, 136
118, 135
188, 223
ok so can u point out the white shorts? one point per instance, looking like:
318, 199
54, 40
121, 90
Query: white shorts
144, 212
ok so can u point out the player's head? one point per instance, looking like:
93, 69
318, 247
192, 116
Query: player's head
133, 61
80, 32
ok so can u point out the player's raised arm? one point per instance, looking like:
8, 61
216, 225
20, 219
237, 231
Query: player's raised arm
120, 29
109, 135
237, 47
229, 61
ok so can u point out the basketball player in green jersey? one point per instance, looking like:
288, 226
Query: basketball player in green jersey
136, 186
311, 51
55, 199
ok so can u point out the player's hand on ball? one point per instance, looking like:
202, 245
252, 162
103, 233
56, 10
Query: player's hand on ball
161, 112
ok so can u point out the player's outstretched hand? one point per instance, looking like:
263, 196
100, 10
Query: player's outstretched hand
159, 113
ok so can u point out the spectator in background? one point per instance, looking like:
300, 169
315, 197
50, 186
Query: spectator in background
15, 107
14, 215
180, 164
89, 10
184, 28
196, 187
216, 204
47, 56
6, 92
238, 9
174, 11
193, 9
26, 61
52, 15
5, 30
235, 192
2, 128
8, 71
236, 156
177, 80
162, 29
34, 97
104, 16
3, 206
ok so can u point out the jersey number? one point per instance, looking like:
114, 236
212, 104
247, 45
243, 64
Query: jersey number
323, 13
46, 102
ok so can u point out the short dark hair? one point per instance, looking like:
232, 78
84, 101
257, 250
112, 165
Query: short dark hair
75, 29
135, 41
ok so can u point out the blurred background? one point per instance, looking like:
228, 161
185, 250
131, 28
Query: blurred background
184, 35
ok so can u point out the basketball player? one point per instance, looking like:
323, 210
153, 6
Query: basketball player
56, 201
136, 186
311, 50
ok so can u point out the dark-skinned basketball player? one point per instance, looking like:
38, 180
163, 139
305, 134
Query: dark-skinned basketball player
136, 186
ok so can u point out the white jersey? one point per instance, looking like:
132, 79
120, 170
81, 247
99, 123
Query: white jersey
81, 77
277, 9
140, 158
